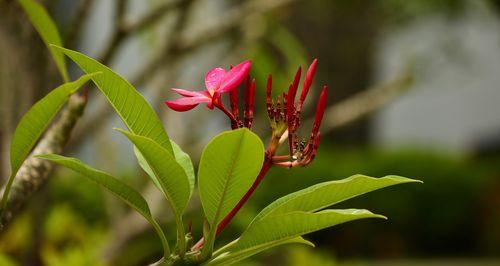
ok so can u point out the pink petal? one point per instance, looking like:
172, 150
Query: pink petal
185, 104
235, 76
214, 78
179, 108
187, 93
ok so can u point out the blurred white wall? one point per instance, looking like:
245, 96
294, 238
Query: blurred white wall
456, 97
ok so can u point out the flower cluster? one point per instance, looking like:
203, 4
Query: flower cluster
284, 112
284, 116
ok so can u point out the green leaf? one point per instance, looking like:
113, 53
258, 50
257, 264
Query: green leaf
112, 184
185, 161
143, 163
228, 166
180, 156
285, 226
325, 194
168, 172
47, 29
228, 258
34, 122
130, 105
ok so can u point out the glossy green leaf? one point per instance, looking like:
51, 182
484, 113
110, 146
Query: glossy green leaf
169, 173
180, 156
47, 29
143, 163
185, 161
130, 105
325, 194
290, 225
35, 121
228, 167
228, 258
112, 184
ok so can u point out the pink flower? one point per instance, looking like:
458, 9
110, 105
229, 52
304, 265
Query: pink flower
217, 82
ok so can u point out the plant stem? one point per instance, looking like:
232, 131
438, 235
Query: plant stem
234, 120
181, 237
164, 241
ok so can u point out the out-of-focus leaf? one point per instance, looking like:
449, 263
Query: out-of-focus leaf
130, 105
35, 121
325, 194
47, 29
112, 184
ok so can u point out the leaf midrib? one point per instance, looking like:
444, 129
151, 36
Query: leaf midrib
233, 164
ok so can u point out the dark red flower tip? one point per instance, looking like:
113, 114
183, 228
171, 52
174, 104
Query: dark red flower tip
307, 83
320, 110
249, 103
295, 85
233, 100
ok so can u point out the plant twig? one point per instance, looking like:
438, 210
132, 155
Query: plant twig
124, 30
77, 25
34, 172
231, 20
177, 50
118, 33
364, 103
153, 16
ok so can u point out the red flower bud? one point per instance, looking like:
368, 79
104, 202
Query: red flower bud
307, 83
249, 103
320, 110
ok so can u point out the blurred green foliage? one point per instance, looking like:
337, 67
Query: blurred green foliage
452, 213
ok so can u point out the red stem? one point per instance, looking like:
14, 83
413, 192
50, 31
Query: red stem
243, 200
234, 120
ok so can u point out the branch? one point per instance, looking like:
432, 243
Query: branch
118, 34
124, 30
77, 25
232, 19
364, 103
34, 172
102, 111
153, 16
177, 50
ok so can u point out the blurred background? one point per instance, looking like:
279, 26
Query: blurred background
414, 91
